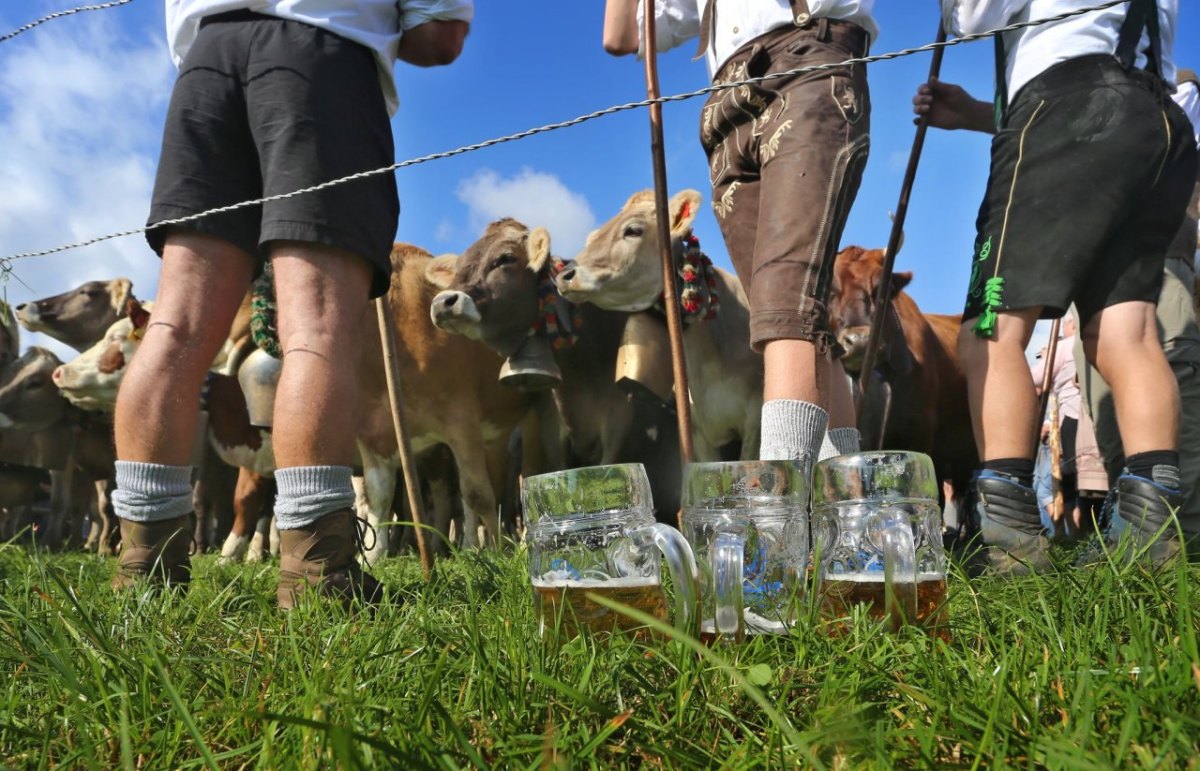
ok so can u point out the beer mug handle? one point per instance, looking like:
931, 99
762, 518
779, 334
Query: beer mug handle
681, 563
727, 560
893, 531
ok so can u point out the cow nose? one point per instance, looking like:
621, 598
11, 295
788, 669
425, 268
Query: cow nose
57, 376
567, 275
21, 306
449, 300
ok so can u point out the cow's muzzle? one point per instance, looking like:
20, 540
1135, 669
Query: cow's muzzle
576, 283
455, 312
854, 341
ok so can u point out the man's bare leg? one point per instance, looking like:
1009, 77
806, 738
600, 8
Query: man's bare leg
322, 300
795, 400
202, 283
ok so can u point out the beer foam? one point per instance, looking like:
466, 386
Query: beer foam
553, 580
876, 577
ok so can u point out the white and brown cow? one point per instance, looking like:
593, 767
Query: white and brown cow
620, 268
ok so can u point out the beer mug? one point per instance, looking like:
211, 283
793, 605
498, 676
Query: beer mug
877, 532
748, 526
590, 533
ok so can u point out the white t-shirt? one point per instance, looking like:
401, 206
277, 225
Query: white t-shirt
1032, 50
376, 24
738, 22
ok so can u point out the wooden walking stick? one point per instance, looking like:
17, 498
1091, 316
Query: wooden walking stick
883, 292
683, 409
412, 486
1048, 371
1056, 486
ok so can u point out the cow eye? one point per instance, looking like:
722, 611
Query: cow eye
633, 231
505, 259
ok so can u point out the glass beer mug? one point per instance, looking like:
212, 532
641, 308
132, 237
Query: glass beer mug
590, 533
877, 531
748, 525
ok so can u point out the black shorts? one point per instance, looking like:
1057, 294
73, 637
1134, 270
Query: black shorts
1089, 180
264, 106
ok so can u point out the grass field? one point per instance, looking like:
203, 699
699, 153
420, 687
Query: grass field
1086, 669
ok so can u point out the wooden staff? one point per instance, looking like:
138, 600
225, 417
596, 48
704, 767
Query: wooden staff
1048, 372
683, 408
412, 485
1056, 485
883, 292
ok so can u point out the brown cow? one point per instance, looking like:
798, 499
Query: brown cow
451, 396
80, 316
620, 268
918, 361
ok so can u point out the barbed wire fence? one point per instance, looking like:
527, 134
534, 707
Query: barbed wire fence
61, 14
6, 262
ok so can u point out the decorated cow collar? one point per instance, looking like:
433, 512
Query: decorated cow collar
262, 313
561, 320
698, 295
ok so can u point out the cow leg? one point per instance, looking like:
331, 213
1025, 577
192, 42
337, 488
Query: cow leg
379, 491
92, 543
259, 541
249, 497
479, 497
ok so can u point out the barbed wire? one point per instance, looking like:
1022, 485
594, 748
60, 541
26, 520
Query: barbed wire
59, 15
6, 262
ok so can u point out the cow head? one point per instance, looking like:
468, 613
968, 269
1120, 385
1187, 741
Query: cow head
490, 292
91, 379
10, 334
856, 276
29, 399
619, 267
78, 317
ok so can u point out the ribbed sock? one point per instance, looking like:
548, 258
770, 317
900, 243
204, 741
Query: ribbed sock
307, 493
792, 430
152, 492
1159, 466
840, 441
1020, 470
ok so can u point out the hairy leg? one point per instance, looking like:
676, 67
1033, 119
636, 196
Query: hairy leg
841, 402
792, 370
999, 387
1122, 343
321, 295
200, 288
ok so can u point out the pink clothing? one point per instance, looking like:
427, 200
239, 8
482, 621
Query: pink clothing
1062, 383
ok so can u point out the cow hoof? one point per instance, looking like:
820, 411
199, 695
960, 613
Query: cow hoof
234, 550
254, 551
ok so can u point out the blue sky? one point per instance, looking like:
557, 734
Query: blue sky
82, 101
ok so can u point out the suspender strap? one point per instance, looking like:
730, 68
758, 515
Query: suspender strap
1142, 15
1000, 103
801, 17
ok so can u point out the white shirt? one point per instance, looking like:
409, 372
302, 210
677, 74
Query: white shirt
1034, 49
376, 24
740, 21
1187, 96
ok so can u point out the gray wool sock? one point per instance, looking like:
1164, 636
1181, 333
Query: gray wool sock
152, 492
307, 493
840, 441
792, 430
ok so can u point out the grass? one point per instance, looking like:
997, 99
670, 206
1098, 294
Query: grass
1089, 668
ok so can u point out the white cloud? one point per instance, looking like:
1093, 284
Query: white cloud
81, 107
445, 232
536, 199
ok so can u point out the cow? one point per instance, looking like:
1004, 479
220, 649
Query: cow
619, 268
450, 390
78, 317
30, 404
500, 292
918, 362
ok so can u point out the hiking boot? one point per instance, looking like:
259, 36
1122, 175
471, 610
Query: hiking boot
1010, 525
320, 558
1143, 512
158, 551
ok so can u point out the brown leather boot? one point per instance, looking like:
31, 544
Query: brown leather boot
158, 551
321, 557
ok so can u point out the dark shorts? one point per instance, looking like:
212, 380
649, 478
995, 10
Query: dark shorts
1089, 180
786, 157
264, 106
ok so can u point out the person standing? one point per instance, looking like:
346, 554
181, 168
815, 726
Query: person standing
786, 158
272, 96
1092, 166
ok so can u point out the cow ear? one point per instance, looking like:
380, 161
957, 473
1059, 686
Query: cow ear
683, 208
539, 249
440, 270
122, 292
901, 280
